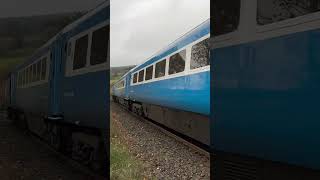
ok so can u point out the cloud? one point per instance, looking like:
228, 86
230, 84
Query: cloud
141, 28
16, 8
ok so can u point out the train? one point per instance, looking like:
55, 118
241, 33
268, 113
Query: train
265, 89
172, 87
60, 93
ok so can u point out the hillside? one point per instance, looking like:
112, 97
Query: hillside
117, 72
20, 37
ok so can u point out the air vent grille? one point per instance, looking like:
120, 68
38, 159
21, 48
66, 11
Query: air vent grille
244, 170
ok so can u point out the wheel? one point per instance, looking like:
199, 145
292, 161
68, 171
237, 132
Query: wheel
55, 137
22, 121
99, 159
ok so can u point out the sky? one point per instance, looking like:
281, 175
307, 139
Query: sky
140, 28
18, 8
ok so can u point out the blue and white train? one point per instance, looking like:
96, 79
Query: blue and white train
265, 89
172, 87
61, 92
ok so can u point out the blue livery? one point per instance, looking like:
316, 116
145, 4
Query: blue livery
265, 93
62, 91
174, 92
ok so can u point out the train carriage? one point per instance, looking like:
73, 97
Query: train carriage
60, 93
172, 87
265, 89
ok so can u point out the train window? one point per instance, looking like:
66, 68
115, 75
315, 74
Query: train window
29, 74
122, 84
279, 10
135, 78
225, 16
38, 70
160, 69
34, 72
99, 46
177, 62
200, 55
24, 77
149, 72
80, 53
141, 74
21, 78
19, 82
43, 68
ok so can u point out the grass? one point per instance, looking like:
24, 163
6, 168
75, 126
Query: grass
123, 165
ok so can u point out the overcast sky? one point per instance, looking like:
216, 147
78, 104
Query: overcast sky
14, 8
139, 28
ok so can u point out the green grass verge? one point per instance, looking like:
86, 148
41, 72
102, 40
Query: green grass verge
123, 165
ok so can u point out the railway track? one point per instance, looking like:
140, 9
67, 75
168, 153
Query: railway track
91, 174
189, 142
34, 158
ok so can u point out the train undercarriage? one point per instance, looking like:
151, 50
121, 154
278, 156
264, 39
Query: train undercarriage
87, 146
192, 125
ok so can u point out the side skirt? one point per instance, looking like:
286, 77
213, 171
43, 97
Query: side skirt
233, 166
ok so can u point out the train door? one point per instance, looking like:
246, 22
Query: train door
53, 79
85, 97
223, 61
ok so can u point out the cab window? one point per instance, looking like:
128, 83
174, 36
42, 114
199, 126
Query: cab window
200, 55
275, 11
225, 16
177, 62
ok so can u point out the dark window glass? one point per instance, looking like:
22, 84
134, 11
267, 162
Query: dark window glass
20, 79
43, 68
80, 53
149, 72
177, 62
24, 77
120, 84
141, 74
38, 70
34, 72
225, 16
30, 74
19, 83
200, 54
99, 46
279, 10
160, 69
27, 75
135, 78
